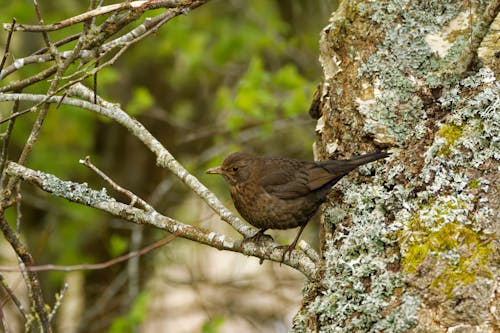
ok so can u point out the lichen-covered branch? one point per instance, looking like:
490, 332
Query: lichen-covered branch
82, 194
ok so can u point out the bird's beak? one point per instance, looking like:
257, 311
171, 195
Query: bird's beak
216, 170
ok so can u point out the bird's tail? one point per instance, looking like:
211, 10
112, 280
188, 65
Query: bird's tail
339, 168
367, 158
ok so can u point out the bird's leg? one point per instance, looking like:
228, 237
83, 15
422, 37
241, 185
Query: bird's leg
291, 247
258, 237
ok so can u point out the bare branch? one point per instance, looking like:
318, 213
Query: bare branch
7, 46
18, 85
133, 198
61, 42
133, 5
57, 304
99, 266
32, 281
14, 298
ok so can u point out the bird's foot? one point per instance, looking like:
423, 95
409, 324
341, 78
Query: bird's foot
260, 236
287, 249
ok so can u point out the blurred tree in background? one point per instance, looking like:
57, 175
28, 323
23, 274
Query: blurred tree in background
231, 75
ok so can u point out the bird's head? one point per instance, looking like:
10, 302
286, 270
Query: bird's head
235, 168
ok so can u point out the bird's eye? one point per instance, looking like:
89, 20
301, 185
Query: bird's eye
235, 168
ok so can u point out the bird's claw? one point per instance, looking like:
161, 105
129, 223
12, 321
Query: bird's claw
287, 249
260, 236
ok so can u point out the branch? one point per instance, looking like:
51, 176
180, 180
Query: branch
32, 281
164, 158
89, 45
14, 298
133, 198
57, 304
7, 46
133, 5
92, 267
82, 194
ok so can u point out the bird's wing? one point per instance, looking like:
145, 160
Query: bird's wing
318, 176
294, 178
290, 181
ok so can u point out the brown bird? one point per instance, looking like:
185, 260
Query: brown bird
283, 193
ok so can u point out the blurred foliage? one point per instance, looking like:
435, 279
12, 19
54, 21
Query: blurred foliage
140, 102
129, 322
213, 325
231, 75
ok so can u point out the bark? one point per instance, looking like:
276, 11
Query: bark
409, 244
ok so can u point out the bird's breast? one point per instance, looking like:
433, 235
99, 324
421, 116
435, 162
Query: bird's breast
266, 211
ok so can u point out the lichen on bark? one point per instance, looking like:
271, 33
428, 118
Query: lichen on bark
412, 244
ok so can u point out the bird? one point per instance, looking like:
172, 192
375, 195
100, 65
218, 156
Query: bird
283, 193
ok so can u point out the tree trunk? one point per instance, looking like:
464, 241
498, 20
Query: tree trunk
410, 243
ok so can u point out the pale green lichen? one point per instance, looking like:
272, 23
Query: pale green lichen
359, 285
474, 184
402, 61
451, 133
448, 225
77, 192
464, 253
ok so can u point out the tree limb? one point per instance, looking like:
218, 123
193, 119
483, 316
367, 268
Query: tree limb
134, 5
82, 194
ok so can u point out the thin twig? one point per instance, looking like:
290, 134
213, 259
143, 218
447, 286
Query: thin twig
45, 35
133, 198
57, 304
3, 323
130, 5
5, 143
19, 212
32, 281
21, 84
98, 266
95, 82
13, 297
61, 42
7, 46
87, 24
